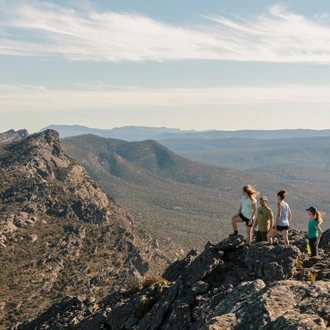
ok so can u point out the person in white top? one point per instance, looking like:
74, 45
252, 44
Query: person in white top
246, 212
282, 219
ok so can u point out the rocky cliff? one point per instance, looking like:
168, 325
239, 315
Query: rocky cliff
13, 135
60, 233
229, 285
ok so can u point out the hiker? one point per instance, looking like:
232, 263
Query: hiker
264, 220
246, 212
282, 220
314, 232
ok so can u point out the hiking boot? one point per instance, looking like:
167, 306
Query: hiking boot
233, 234
208, 245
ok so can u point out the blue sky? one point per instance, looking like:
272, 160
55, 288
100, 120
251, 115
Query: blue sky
201, 65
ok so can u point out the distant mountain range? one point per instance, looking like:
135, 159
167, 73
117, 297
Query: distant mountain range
127, 133
182, 199
63, 233
139, 133
308, 153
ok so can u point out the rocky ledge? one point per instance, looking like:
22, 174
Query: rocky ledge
228, 286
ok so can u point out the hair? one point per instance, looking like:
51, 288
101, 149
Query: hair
250, 191
318, 216
281, 194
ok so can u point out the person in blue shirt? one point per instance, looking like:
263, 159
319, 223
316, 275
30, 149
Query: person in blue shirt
314, 232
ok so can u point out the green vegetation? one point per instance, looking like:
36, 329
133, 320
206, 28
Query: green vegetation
35, 274
61, 173
178, 199
305, 153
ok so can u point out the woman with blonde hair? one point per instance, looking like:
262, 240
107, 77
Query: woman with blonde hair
246, 212
314, 230
282, 219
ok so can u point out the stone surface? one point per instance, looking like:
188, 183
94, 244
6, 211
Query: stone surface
229, 285
263, 288
61, 234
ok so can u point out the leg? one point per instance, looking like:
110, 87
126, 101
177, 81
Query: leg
263, 236
248, 234
234, 220
258, 236
270, 234
314, 248
285, 237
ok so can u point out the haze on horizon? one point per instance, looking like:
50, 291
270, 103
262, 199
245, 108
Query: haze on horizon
187, 65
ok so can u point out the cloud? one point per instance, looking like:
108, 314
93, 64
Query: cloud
34, 28
19, 88
321, 16
35, 99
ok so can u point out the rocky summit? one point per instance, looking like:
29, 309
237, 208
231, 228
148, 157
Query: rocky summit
13, 135
61, 234
229, 285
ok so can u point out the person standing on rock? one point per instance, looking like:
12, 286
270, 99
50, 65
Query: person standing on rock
314, 232
246, 212
264, 220
282, 220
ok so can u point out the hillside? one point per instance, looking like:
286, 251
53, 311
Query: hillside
178, 198
309, 153
60, 234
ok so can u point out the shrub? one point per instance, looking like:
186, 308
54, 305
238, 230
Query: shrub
151, 279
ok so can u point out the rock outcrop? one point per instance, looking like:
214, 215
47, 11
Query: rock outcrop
60, 233
229, 285
13, 135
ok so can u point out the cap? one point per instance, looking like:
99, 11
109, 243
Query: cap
312, 209
264, 198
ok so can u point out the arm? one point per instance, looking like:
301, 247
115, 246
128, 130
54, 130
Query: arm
240, 209
278, 214
254, 208
271, 219
318, 228
289, 214
255, 224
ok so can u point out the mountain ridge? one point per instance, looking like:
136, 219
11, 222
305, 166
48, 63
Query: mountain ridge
189, 201
13, 135
139, 133
60, 233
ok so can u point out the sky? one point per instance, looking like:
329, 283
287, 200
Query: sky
187, 64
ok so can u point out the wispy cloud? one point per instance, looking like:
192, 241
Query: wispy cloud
34, 28
19, 88
321, 16
167, 98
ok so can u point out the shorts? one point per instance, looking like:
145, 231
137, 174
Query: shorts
280, 228
246, 220
261, 236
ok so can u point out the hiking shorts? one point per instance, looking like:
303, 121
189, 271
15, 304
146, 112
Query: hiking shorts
280, 228
246, 220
